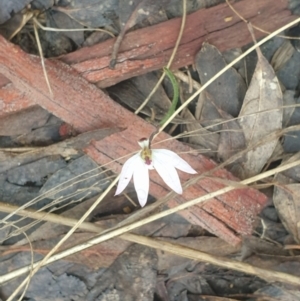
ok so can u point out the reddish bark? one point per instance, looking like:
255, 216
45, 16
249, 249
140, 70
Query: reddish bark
11, 99
150, 48
85, 107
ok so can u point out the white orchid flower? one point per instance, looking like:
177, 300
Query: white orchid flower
164, 161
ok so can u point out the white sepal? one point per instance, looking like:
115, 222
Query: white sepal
172, 158
168, 172
127, 172
141, 181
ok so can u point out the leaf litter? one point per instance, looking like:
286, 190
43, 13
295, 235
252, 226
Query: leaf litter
259, 117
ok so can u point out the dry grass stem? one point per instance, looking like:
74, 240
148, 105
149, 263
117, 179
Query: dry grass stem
170, 60
71, 231
121, 231
225, 69
72, 29
41, 55
172, 248
256, 27
187, 79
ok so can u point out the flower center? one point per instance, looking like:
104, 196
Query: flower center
146, 155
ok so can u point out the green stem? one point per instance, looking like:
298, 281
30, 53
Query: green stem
175, 95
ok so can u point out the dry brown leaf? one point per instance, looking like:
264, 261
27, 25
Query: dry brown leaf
232, 138
210, 115
289, 102
287, 202
286, 198
132, 276
199, 135
227, 90
260, 116
282, 55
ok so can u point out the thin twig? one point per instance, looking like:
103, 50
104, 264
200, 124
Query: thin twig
256, 27
224, 70
122, 230
70, 232
41, 55
172, 248
170, 60
72, 29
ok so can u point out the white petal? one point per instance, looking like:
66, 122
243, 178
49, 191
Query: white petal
141, 181
168, 173
172, 158
127, 172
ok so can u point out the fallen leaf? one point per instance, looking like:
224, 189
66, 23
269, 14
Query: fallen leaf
81, 178
289, 103
7, 8
133, 12
260, 116
229, 89
34, 173
23, 121
232, 138
282, 55
58, 281
131, 277
60, 20
92, 13
199, 135
210, 116
183, 283
286, 198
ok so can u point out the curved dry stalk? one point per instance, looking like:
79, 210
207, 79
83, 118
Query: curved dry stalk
170, 60
232, 159
109, 234
30, 267
256, 27
37, 23
172, 248
22, 149
70, 232
55, 190
224, 70
113, 183
26, 16
187, 79
72, 29
122, 230
222, 122
35, 222
41, 55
